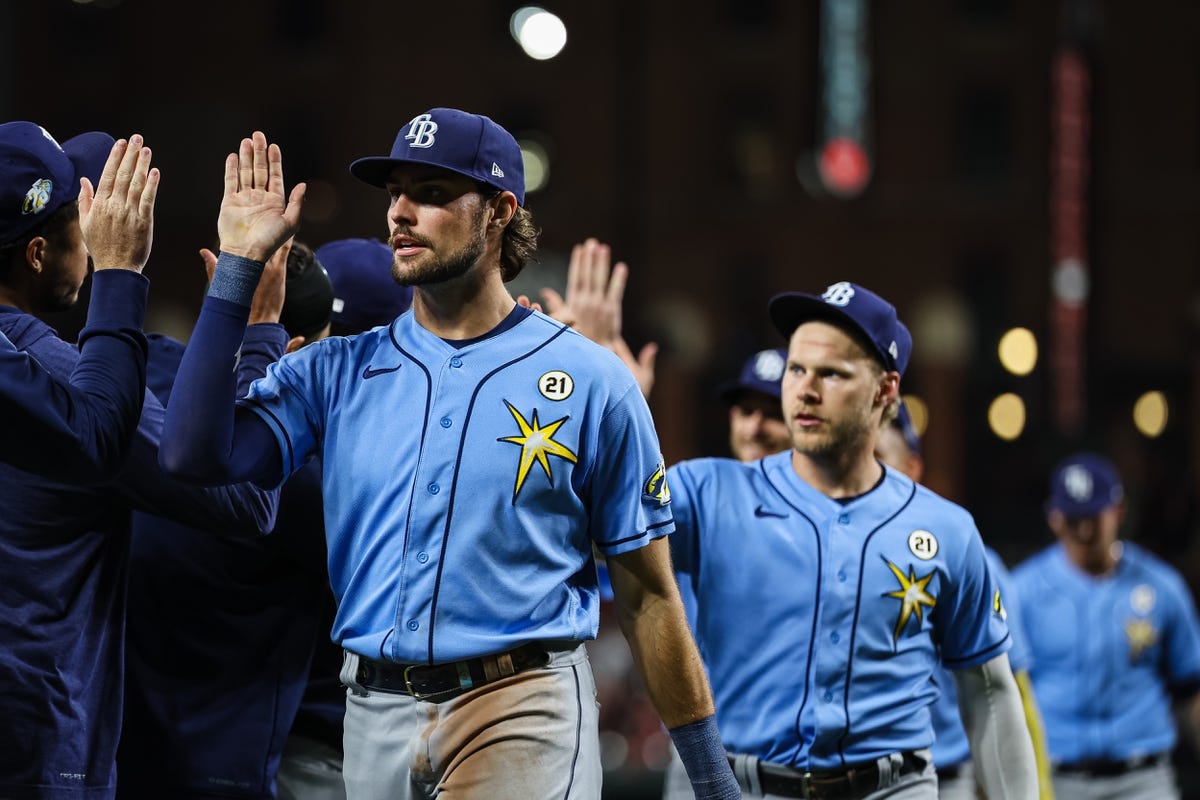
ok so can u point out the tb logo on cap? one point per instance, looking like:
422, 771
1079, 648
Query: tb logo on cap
421, 131
1078, 483
839, 294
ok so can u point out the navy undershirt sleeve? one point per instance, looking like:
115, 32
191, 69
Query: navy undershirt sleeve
206, 437
81, 432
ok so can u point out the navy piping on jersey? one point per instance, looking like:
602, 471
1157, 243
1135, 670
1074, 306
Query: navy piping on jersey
288, 465
816, 615
862, 556
578, 730
437, 584
636, 536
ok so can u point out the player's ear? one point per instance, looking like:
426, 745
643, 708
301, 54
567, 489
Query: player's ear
294, 344
889, 389
503, 208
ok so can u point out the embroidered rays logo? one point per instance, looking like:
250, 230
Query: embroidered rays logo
656, 486
537, 444
913, 597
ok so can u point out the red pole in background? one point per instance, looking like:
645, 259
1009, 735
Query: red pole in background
1070, 283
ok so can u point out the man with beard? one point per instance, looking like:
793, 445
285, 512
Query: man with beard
826, 585
1115, 641
473, 452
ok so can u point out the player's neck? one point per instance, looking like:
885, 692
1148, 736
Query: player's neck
1097, 562
463, 309
838, 475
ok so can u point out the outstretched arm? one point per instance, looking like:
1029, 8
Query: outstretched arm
992, 714
207, 438
651, 617
81, 430
592, 306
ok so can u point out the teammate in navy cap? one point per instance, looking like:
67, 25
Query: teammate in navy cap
365, 295
473, 451
1115, 642
64, 549
899, 447
78, 427
827, 586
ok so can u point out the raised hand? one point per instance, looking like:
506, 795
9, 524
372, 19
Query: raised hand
595, 292
255, 217
117, 216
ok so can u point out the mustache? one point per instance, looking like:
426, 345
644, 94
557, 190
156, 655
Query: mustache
408, 234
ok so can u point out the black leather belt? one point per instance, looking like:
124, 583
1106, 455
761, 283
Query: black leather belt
854, 782
441, 682
950, 772
1107, 768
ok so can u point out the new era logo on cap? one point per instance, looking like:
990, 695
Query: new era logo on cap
856, 309
468, 144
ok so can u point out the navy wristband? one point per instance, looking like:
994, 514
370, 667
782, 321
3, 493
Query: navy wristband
703, 756
235, 279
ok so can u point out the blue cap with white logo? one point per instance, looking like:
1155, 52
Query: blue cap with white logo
762, 372
38, 176
469, 144
365, 295
857, 310
1083, 485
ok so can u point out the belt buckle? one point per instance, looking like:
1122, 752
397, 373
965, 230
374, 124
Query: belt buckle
420, 695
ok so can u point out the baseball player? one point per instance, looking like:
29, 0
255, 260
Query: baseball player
80, 428
64, 548
1115, 643
472, 453
899, 447
826, 584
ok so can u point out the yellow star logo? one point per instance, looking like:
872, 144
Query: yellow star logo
912, 596
536, 443
1141, 635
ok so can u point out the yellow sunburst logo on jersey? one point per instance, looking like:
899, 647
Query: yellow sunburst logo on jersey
1141, 634
912, 596
656, 486
536, 444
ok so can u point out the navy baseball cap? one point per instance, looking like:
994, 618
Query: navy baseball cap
762, 372
469, 144
853, 308
904, 424
365, 295
38, 176
1083, 485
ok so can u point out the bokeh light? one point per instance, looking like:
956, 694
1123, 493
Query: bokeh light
1018, 351
541, 34
1150, 414
1006, 416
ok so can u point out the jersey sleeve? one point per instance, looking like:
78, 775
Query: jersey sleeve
630, 494
287, 400
1020, 657
1182, 658
972, 629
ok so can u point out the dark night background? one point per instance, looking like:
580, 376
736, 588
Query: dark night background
674, 131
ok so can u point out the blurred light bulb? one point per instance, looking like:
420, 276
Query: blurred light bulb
542, 35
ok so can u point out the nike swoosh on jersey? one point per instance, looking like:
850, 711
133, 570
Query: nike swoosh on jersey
763, 511
369, 373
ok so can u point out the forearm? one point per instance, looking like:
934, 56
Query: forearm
994, 719
202, 441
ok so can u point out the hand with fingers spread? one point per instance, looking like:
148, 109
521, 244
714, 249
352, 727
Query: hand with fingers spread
117, 215
593, 306
255, 217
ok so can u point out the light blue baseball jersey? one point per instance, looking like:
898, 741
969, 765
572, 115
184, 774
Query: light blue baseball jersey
820, 622
1108, 652
951, 745
465, 483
